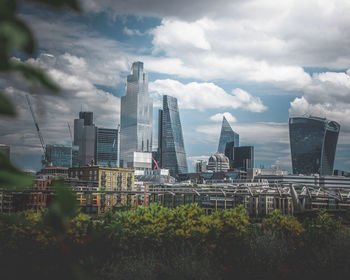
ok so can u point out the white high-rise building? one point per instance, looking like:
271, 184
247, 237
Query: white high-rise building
136, 121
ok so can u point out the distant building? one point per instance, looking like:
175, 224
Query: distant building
243, 157
253, 172
59, 155
136, 119
5, 149
218, 162
227, 135
106, 147
313, 143
172, 149
201, 166
101, 178
85, 138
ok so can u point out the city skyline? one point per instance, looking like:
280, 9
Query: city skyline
256, 62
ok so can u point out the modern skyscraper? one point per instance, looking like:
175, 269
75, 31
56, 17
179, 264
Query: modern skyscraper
313, 143
106, 147
59, 155
172, 149
227, 135
85, 137
243, 157
230, 152
136, 118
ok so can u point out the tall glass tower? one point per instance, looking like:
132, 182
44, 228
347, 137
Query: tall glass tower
136, 117
171, 143
313, 143
227, 135
106, 147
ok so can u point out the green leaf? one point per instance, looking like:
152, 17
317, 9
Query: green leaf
11, 178
15, 34
6, 107
63, 207
71, 4
34, 75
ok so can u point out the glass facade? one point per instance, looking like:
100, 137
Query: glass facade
59, 155
173, 156
136, 116
106, 147
85, 138
243, 157
313, 143
227, 135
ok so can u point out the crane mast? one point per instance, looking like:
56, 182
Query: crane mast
44, 161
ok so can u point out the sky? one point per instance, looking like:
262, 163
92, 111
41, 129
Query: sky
257, 62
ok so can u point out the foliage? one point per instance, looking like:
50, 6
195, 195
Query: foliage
183, 243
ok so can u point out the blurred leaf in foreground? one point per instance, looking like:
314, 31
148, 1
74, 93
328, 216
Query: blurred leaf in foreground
11, 178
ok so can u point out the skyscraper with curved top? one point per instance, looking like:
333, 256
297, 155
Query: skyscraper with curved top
136, 119
313, 143
227, 135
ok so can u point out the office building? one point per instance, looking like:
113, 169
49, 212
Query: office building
106, 147
59, 155
201, 166
313, 143
243, 158
227, 135
5, 149
75, 156
172, 149
230, 152
136, 119
218, 162
85, 138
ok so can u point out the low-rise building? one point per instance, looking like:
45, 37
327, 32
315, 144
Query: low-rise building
106, 185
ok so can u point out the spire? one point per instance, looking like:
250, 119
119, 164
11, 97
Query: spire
227, 135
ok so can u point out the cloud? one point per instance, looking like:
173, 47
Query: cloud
327, 96
219, 116
53, 112
202, 96
132, 32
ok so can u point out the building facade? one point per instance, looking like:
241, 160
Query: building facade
85, 138
227, 135
218, 162
243, 157
172, 148
313, 143
59, 155
106, 147
108, 183
136, 117
201, 166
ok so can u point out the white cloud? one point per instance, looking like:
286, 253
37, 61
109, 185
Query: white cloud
219, 116
201, 96
327, 96
132, 32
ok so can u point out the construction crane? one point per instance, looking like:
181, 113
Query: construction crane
44, 159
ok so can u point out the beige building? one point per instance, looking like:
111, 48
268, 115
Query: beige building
109, 183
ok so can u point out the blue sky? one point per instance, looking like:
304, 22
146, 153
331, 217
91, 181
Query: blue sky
257, 62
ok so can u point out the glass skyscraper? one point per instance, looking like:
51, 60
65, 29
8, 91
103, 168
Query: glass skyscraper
59, 155
85, 138
106, 147
313, 143
171, 143
136, 117
227, 135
